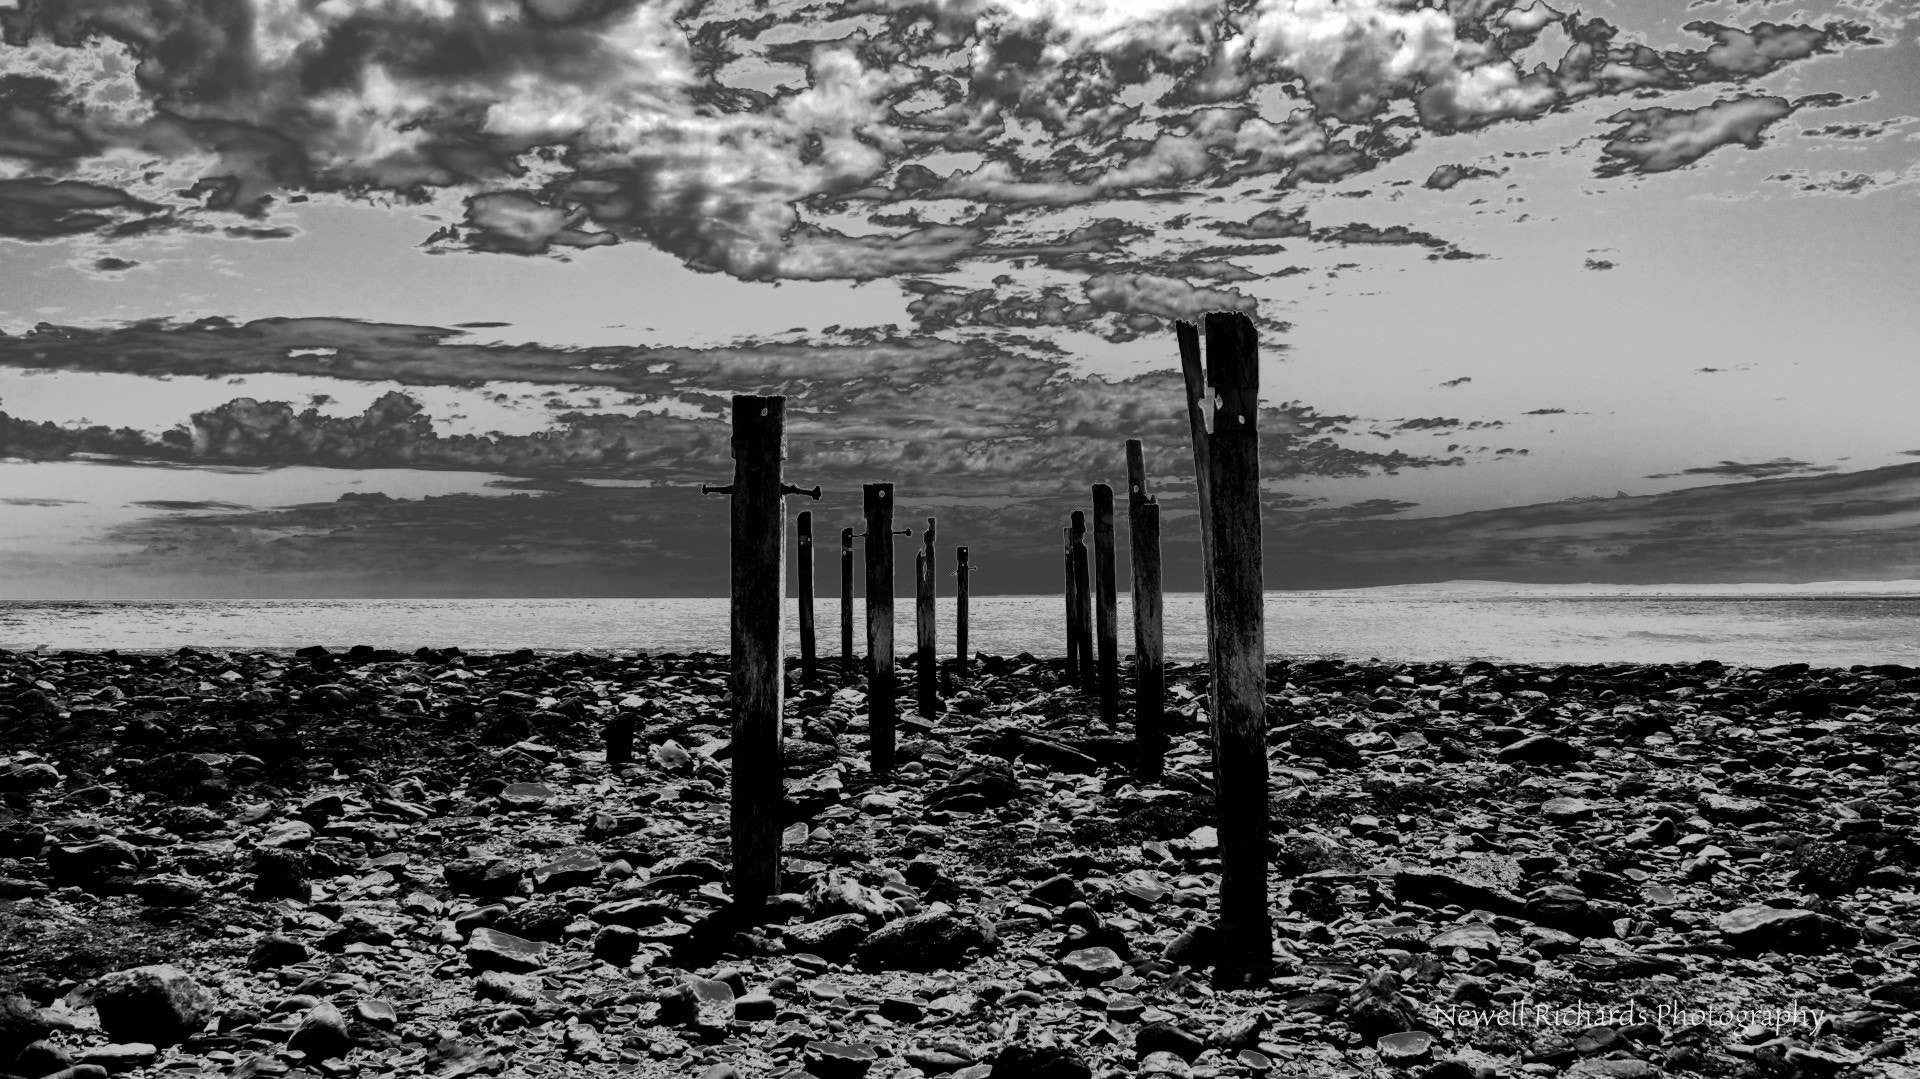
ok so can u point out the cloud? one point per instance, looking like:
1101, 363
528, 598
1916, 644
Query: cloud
1660, 139
1599, 264
1446, 177
22, 501
559, 125
1779, 466
1453, 382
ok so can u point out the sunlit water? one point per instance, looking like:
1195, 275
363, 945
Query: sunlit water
1750, 628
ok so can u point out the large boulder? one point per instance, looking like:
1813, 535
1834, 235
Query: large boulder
925, 942
161, 1005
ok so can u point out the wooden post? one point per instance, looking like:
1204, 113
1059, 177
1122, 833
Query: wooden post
1073, 609
1083, 604
1105, 609
881, 711
1149, 648
808, 660
960, 608
926, 666
846, 602
1236, 643
756, 673
620, 739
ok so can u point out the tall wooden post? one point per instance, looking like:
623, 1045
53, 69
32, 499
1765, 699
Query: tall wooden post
1236, 642
809, 664
1073, 609
926, 665
960, 608
620, 739
1149, 648
881, 710
846, 602
757, 668
1105, 609
1083, 604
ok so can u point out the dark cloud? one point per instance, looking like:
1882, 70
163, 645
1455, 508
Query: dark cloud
1660, 139
1779, 466
21, 501
1545, 412
1266, 225
1446, 177
554, 538
182, 506
1599, 264
1452, 382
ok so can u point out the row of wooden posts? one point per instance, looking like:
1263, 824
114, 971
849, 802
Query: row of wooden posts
1222, 406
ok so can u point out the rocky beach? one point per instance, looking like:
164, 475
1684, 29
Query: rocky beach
375, 863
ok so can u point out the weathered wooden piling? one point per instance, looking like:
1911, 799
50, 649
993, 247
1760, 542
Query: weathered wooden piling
881, 709
1149, 648
757, 670
926, 664
1105, 607
1082, 604
809, 662
1073, 607
846, 602
960, 568
1236, 638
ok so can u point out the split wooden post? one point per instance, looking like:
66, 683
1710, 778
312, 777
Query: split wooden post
926, 664
809, 662
1083, 604
960, 607
1105, 606
881, 710
1073, 609
757, 673
846, 602
1149, 648
1236, 640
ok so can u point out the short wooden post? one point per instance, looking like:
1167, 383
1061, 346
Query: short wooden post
1236, 642
757, 670
926, 664
1073, 608
620, 739
809, 668
1149, 648
1083, 604
1105, 606
846, 602
881, 709
960, 608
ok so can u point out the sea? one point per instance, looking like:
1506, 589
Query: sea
1830, 624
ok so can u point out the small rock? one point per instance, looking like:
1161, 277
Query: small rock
1164, 1037
270, 952
616, 944
572, 869
280, 874
322, 1034
831, 938
1039, 1062
120, 1056
525, 795
1163, 1063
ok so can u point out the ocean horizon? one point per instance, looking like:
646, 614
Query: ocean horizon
1829, 623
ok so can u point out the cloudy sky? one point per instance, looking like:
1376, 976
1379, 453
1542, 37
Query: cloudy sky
447, 297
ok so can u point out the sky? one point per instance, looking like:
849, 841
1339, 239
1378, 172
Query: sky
448, 297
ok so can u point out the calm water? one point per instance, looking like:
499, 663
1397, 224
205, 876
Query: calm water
1743, 628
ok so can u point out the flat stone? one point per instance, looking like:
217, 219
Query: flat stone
1164, 1037
1726, 807
1568, 810
840, 1060
1789, 929
924, 942
831, 938
1091, 966
525, 795
1475, 937
1540, 749
120, 1056
1405, 1048
490, 949
1039, 1062
572, 869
